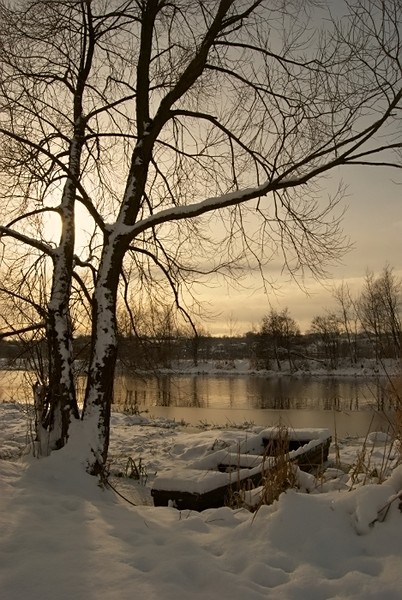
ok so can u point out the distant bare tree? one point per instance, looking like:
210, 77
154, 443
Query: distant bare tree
328, 329
348, 318
278, 334
159, 120
380, 312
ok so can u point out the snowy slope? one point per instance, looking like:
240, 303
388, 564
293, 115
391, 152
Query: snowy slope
63, 537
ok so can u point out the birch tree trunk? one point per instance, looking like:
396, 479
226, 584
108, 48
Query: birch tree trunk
60, 400
99, 389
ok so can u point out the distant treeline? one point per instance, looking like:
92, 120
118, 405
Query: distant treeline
263, 349
365, 326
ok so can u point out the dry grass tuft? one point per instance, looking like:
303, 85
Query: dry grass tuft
281, 475
367, 468
282, 472
395, 391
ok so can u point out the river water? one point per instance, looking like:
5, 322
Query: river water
345, 405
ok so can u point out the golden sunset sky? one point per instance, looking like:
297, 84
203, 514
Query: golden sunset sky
373, 223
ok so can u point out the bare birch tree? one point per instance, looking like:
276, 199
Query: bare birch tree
156, 120
348, 317
278, 333
379, 309
328, 329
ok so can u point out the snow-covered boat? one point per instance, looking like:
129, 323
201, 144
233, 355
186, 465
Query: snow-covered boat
211, 481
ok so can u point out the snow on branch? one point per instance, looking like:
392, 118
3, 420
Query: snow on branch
25, 239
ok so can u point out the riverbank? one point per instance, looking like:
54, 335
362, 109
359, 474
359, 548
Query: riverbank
364, 368
368, 368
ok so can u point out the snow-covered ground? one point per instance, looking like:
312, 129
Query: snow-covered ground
63, 537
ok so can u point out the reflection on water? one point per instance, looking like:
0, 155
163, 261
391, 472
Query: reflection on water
251, 392
345, 406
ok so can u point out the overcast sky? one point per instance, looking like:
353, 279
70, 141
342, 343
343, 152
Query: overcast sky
373, 222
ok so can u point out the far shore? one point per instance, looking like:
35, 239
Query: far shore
364, 368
